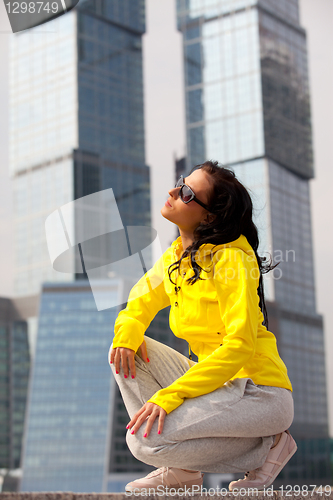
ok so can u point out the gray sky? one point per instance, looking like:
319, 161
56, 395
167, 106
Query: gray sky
165, 138
164, 106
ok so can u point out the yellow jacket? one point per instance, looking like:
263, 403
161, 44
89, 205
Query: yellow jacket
218, 316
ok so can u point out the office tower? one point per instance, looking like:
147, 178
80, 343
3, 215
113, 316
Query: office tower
75, 436
248, 106
68, 440
76, 125
14, 372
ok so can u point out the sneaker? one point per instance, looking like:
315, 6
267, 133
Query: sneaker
276, 459
166, 477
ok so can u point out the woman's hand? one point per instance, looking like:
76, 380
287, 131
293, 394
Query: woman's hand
125, 357
149, 411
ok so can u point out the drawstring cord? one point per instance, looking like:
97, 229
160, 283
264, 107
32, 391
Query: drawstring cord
177, 288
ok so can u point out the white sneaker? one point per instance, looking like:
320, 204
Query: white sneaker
166, 477
276, 459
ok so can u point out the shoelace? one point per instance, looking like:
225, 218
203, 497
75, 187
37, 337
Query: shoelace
157, 471
164, 470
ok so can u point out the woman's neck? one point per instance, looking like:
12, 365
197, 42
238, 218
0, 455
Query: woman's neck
187, 238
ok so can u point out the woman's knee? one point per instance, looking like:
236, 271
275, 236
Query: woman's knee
141, 451
284, 415
289, 414
146, 449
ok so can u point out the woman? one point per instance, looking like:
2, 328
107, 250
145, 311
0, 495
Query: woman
230, 411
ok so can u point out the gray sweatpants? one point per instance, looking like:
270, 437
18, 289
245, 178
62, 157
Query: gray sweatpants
228, 430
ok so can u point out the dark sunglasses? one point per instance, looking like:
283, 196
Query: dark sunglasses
186, 194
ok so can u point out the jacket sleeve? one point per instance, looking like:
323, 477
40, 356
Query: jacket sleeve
147, 297
236, 280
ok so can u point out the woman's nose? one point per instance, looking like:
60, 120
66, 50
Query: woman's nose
174, 192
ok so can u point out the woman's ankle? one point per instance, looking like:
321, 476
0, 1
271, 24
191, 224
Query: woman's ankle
277, 439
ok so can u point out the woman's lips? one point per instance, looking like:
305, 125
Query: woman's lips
168, 204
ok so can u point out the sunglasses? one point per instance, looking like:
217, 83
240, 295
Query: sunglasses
186, 194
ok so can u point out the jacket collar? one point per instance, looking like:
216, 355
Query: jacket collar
240, 242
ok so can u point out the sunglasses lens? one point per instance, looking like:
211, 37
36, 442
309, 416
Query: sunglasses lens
186, 194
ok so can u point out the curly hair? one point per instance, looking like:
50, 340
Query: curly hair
230, 201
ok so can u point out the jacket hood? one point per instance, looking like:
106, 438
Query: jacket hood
241, 243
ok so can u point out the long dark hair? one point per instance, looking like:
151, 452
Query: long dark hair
232, 204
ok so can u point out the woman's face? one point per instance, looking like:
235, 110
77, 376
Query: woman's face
188, 216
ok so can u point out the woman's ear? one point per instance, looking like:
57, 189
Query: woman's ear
209, 218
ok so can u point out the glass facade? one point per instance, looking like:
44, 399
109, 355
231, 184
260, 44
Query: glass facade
38, 193
14, 372
43, 94
223, 85
284, 9
292, 235
302, 344
285, 94
76, 125
248, 106
110, 116
254, 174
43, 132
246, 79
68, 422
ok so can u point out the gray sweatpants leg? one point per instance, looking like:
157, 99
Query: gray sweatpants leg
228, 430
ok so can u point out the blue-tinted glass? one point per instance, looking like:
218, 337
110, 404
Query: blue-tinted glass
68, 420
193, 63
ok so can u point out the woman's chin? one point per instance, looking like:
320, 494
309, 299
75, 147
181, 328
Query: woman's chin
166, 214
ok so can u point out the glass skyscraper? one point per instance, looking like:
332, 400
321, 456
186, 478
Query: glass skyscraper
67, 439
14, 375
248, 106
76, 421
76, 125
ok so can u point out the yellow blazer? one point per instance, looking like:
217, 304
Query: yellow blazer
219, 316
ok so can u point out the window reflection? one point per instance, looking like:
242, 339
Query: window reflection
223, 83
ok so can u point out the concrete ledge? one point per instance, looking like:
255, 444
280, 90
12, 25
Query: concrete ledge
270, 494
